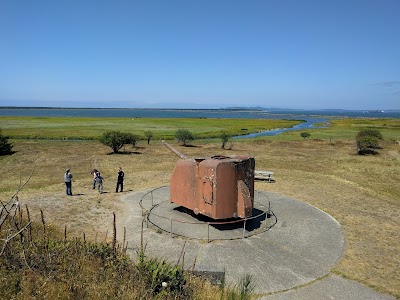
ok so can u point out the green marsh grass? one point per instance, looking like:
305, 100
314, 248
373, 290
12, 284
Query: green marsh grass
92, 128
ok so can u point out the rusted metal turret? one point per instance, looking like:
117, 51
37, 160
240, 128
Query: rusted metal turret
220, 187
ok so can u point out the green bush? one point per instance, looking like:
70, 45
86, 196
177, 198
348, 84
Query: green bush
305, 134
368, 141
5, 145
184, 136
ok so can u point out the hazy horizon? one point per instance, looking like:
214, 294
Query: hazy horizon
161, 106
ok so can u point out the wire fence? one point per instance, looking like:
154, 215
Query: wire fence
163, 216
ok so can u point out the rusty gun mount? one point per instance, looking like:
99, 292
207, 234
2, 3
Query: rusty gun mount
220, 187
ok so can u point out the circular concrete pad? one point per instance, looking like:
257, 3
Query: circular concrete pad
186, 224
303, 245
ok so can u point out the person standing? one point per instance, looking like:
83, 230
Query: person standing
94, 172
68, 182
99, 181
120, 180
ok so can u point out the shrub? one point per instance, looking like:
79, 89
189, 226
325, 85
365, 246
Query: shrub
5, 145
368, 141
305, 134
183, 136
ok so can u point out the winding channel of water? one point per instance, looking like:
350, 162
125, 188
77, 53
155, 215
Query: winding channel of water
307, 124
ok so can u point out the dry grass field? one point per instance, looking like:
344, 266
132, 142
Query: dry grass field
361, 192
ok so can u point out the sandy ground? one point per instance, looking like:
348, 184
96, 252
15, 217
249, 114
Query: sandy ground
86, 212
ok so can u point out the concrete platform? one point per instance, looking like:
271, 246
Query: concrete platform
332, 287
179, 221
303, 246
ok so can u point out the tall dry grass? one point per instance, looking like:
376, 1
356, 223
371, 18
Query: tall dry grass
38, 262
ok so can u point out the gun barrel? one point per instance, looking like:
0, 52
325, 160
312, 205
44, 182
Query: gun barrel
182, 156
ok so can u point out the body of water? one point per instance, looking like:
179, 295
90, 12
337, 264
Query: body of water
192, 113
308, 124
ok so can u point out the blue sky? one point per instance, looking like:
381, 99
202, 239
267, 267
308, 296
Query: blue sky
196, 54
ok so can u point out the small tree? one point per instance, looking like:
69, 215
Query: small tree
131, 139
305, 134
5, 145
116, 139
368, 141
224, 139
184, 136
149, 136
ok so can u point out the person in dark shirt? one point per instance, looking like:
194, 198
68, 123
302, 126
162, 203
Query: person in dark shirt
68, 182
120, 180
99, 181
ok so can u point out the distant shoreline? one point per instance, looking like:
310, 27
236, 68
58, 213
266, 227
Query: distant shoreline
210, 109
132, 108
201, 113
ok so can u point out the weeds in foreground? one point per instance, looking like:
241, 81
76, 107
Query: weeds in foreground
162, 278
242, 291
38, 261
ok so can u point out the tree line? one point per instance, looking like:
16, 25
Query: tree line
116, 139
367, 140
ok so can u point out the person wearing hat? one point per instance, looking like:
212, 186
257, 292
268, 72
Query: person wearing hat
68, 182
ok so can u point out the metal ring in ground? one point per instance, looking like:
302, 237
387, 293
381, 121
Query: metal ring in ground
179, 221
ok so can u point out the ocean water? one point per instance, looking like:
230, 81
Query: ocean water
192, 113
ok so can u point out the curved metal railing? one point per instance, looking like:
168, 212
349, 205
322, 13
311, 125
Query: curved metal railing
214, 230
